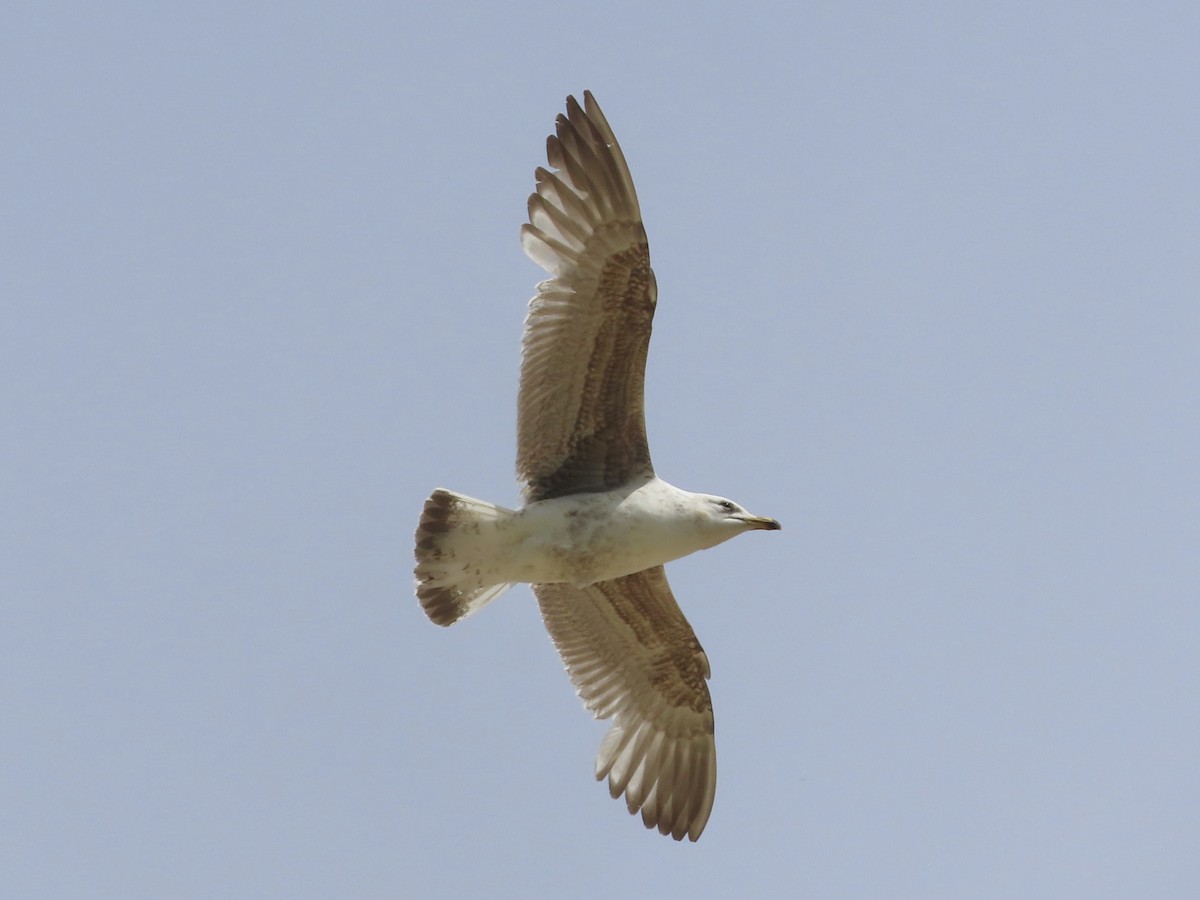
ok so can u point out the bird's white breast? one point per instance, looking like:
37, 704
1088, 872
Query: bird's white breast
585, 538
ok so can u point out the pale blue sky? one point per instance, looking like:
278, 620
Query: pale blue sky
929, 294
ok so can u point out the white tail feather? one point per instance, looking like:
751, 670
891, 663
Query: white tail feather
453, 548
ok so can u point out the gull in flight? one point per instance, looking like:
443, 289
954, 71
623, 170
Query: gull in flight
597, 523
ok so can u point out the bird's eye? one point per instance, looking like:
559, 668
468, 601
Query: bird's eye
725, 505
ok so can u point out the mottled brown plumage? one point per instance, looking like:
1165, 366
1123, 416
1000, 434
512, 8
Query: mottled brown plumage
633, 656
582, 428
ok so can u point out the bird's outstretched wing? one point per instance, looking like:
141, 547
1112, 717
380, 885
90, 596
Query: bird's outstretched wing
633, 657
580, 420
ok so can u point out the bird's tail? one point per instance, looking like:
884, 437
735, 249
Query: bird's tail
456, 543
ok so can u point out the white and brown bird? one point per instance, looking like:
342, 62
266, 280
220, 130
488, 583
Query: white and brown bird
597, 524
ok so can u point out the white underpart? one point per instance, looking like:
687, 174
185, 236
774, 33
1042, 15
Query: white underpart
469, 551
585, 538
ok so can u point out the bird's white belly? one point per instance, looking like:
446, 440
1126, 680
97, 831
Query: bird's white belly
596, 537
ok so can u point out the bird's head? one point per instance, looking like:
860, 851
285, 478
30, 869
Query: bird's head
723, 519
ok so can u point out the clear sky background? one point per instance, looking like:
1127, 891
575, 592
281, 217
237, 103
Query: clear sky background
929, 294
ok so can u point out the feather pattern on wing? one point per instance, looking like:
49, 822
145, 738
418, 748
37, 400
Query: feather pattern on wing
633, 657
580, 421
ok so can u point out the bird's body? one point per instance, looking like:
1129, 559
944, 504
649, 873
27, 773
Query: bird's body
584, 538
598, 524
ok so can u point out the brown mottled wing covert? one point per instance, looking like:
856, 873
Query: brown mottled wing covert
580, 421
633, 657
